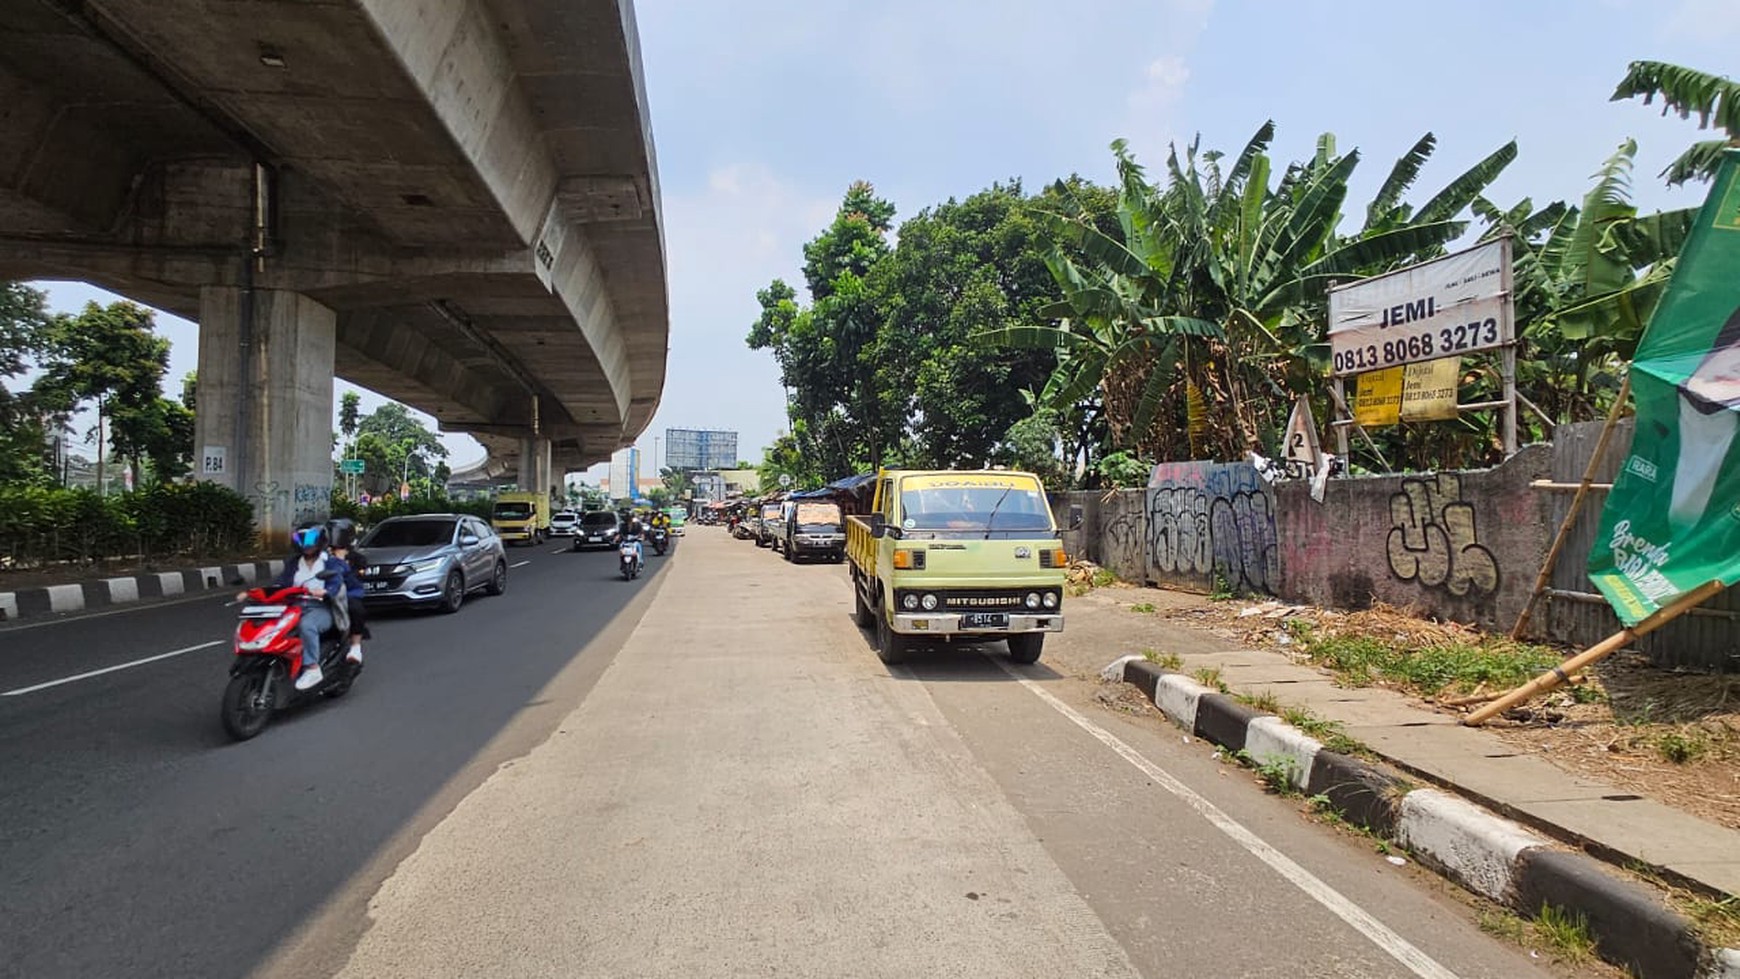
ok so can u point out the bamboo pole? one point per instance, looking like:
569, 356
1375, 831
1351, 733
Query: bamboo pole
1594, 654
1522, 621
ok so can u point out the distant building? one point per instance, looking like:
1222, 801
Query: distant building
624, 472
741, 482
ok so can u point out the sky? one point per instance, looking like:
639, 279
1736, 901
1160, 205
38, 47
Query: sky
763, 113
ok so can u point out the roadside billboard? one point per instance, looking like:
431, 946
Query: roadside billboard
1454, 305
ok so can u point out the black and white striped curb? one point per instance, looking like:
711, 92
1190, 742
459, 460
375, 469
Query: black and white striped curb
101, 593
1487, 854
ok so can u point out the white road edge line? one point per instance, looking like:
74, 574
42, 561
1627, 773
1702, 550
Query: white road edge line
111, 669
1339, 905
519, 564
561, 549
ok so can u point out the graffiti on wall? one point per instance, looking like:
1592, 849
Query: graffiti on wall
1433, 539
1209, 521
1123, 537
313, 502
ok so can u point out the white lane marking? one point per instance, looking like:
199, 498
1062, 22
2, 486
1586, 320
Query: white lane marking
519, 564
1339, 905
560, 550
111, 669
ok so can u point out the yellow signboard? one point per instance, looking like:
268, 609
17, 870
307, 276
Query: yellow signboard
1379, 400
1429, 390
970, 480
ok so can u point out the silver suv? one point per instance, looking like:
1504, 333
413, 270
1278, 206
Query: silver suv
432, 559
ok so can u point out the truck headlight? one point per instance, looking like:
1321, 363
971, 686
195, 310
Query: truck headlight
930, 603
911, 602
1051, 599
1032, 599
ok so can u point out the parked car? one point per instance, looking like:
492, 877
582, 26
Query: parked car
767, 526
434, 559
597, 529
813, 529
564, 523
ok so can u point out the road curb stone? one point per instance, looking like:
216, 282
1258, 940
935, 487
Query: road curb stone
1485, 853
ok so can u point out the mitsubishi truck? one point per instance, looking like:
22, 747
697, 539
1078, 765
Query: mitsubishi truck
958, 557
523, 517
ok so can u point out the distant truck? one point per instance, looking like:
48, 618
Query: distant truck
958, 557
523, 517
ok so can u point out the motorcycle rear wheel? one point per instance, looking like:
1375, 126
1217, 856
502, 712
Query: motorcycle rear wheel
244, 712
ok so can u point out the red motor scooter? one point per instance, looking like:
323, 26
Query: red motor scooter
269, 658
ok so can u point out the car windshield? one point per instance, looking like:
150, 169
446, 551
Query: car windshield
770, 512
410, 533
596, 519
818, 516
979, 503
513, 511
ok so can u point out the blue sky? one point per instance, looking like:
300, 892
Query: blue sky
764, 112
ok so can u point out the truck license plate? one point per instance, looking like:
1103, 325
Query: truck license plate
985, 620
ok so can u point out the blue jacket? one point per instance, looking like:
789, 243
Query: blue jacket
335, 570
353, 585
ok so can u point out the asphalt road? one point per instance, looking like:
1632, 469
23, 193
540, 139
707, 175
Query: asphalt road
137, 840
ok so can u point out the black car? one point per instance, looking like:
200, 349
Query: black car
813, 529
597, 528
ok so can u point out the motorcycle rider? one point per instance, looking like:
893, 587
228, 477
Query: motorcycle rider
632, 532
341, 538
313, 570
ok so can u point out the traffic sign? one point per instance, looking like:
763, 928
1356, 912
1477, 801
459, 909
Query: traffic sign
785, 479
351, 466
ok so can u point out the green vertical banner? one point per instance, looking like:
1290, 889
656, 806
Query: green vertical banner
1672, 520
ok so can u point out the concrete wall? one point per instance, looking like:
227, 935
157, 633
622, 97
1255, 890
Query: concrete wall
1211, 525
1464, 546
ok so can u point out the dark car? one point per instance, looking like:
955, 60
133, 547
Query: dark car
814, 529
597, 528
433, 559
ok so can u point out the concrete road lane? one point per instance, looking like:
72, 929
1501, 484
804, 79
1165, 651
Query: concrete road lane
748, 791
136, 840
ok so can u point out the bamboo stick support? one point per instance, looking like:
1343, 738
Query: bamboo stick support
1596, 653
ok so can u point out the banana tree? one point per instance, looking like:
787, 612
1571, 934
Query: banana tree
1714, 99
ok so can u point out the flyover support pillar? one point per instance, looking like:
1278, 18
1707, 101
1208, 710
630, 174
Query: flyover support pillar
534, 472
263, 421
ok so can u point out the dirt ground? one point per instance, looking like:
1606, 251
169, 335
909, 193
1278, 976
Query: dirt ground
1671, 736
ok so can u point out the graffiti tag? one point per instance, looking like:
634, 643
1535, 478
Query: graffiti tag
1433, 539
1209, 521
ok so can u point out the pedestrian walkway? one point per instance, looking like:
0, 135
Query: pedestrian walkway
1610, 821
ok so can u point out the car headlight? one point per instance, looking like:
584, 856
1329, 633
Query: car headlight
1051, 599
1032, 599
930, 603
911, 602
418, 567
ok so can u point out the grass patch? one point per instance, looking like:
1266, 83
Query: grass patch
1222, 589
1166, 661
1142, 607
1717, 921
1265, 701
1103, 578
1325, 812
1077, 589
1329, 733
1451, 667
1682, 747
1503, 924
1209, 676
1276, 774
1566, 933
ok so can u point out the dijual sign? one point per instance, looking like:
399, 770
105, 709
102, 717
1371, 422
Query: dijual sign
1672, 519
1454, 305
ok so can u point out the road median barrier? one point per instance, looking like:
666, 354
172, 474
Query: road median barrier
109, 591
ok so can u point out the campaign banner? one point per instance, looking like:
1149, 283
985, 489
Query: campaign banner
1454, 305
1672, 519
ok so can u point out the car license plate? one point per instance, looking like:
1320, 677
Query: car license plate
985, 620
379, 585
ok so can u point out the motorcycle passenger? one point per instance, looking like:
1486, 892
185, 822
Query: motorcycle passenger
632, 532
341, 536
312, 570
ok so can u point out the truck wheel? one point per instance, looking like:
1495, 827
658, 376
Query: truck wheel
1024, 648
862, 617
891, 646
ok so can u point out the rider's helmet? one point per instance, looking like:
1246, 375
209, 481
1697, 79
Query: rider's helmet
341, 532
309, 538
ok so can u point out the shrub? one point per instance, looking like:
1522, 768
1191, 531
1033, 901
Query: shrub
45, 525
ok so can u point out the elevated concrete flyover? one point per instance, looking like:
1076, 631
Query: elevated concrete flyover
452, 202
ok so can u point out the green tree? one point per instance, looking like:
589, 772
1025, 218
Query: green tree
395, 446
678, 482
1714, 99
109, 357
23, 324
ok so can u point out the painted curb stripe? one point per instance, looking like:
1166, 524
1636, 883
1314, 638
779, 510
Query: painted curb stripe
1475, 848
123, 590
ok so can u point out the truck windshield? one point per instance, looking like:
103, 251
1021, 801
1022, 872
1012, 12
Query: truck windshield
818, 516
969, 504
513, 511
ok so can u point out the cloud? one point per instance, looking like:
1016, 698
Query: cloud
1151, 117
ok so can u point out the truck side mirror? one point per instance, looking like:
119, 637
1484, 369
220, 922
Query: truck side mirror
878, 526
1075, 517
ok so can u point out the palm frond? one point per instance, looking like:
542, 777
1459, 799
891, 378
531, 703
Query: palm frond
1457, 195
1401, 177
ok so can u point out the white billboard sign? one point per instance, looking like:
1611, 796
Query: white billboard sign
1454, 305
